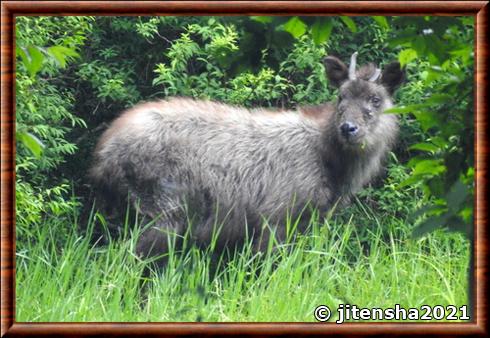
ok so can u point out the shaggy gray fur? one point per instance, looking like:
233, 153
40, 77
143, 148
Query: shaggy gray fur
220, 164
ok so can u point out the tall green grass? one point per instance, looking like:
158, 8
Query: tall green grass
371, 262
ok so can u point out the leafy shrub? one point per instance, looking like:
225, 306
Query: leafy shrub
441, 50
44, 117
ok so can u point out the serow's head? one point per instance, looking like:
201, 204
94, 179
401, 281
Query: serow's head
364, 94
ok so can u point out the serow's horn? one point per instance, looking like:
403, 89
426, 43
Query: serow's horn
352, 66
375, 76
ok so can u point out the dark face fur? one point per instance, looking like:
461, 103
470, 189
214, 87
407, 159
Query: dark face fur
361, 99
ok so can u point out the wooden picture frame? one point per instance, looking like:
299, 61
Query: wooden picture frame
11, 9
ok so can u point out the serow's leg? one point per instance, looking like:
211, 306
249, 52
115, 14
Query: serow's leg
154, 243
261, 240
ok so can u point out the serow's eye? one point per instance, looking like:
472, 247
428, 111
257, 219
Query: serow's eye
376, 101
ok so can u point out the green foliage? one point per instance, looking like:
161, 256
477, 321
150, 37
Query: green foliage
440, 49
321, 30
109, 82
32, 59
38, 207
381, 21
349, 23
200, 63
295, 27
44, 116
31, 142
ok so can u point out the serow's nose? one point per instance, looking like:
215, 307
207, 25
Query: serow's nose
348, 129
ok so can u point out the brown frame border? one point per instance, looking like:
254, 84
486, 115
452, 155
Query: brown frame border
9, 9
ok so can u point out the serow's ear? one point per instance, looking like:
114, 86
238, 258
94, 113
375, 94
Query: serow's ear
392, 77
337, 71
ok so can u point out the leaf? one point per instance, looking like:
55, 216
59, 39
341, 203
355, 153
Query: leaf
427, 119
349, 23
436, 48
31, 142
321, 30
430, 224
433, 210
22, 53
439, 98
35, 60
414, 160
381, 21
419, 45
61, 54
411, 108
406, 56
467, 214
409, 181
262, 19
425, 146
399, 110
457, 195
429, 167
100, 218
458, 224
295, 26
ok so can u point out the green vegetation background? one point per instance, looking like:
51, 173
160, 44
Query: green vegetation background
75, 74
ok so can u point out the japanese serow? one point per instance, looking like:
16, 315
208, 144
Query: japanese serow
246, 170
